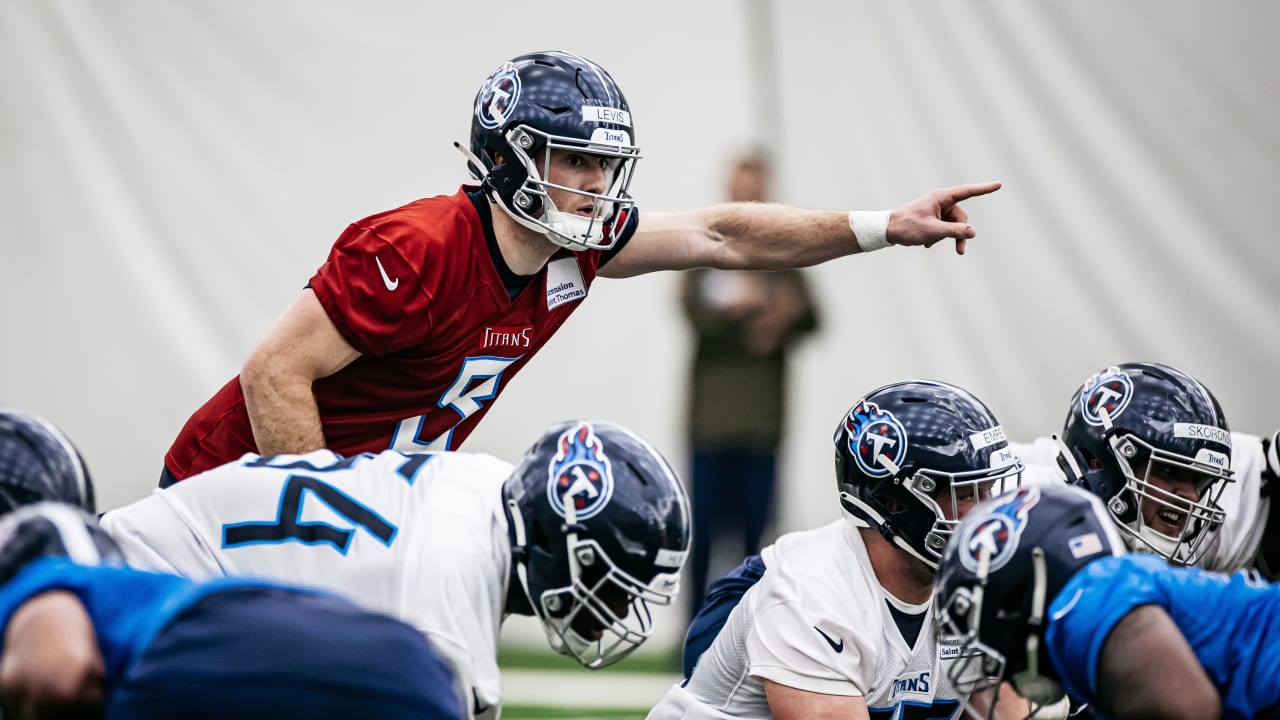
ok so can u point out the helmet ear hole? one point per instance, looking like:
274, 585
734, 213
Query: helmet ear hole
1013, 601
538, 538
891, 505
1091, 461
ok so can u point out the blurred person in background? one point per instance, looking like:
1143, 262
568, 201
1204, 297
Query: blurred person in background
745, 324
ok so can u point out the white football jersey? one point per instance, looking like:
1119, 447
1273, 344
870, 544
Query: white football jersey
1246, 510
817, 621
421, 537
1241, 537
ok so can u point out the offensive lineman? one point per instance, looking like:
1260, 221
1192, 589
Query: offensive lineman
587, 533
1148, 402
841, 624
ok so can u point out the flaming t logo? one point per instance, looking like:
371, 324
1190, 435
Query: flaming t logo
998, 531
1110, 389
580, 471
873, 433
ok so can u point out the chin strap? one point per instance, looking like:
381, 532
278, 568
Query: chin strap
1065, 453
520, 551
1030, 683
474, 165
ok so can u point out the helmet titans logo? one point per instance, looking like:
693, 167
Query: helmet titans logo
997, 533
873, 433
1110, 389
498, 97
580, 472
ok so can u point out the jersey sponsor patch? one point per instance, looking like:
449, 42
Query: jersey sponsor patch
949, 649
564, 282
580, 473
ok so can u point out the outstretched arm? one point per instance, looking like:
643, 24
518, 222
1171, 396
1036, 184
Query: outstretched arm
767, 236
52, 667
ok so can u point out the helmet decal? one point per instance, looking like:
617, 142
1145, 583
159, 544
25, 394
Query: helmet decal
1198, 431
999, 532
1111, 389
873, 433
498, 97
593, 113
581, 470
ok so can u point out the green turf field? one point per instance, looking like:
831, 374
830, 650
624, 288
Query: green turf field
537, 684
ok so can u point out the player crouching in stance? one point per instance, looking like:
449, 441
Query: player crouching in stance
587, 533
838, 621
1037, 588
85, 636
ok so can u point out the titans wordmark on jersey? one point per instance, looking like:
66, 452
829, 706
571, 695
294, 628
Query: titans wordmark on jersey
819, 621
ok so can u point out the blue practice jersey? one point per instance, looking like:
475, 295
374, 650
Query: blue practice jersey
128, 607
1231, 622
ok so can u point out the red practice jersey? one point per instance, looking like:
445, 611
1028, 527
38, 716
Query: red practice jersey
415, 290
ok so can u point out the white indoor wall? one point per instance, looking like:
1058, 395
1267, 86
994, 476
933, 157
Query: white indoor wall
172, 173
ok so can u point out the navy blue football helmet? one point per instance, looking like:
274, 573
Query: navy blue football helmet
1135, 434
53, 529
1004, 566
538, 103
911, 457
599, 528
38, 462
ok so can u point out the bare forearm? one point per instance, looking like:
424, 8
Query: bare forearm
765, 236
283, 414
302, 346
51, 665
774, 237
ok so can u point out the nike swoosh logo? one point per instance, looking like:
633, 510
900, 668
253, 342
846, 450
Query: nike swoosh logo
1070, 604
386, 279
837, 646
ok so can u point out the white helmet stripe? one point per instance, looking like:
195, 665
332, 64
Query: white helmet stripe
75, 538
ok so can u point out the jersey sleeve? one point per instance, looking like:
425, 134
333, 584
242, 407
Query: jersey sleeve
1246, 507
127, 607
806, 647
1088, 608
373, 288
454, 603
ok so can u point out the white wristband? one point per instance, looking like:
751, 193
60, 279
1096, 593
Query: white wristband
870, 229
